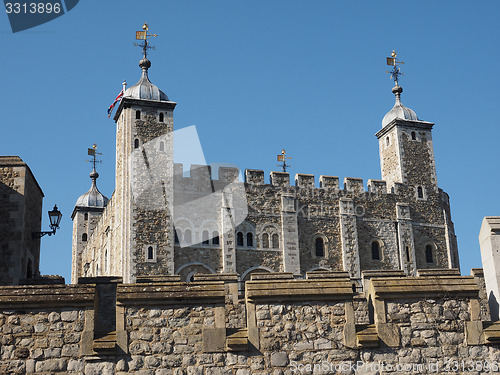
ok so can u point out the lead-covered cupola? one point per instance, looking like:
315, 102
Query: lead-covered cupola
144, 89
399, 110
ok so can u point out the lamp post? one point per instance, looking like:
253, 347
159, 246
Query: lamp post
55, 218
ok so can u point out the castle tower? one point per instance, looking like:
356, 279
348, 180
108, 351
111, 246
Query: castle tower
406, 151
144, 239
86, 214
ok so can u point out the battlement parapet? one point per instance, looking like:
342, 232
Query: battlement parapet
254, 176
353, 184
280, 179
377, 186
329, 182
200, 177
304, 180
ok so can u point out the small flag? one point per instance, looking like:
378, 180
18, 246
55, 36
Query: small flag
140, 35
281, 157
391, 61
118, 98
91, 152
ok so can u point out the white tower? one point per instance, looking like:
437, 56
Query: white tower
143, 198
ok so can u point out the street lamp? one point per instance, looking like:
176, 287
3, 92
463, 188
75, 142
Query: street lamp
55, 218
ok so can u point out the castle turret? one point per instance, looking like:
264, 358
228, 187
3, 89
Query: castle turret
144, 181
86, 214
406, 151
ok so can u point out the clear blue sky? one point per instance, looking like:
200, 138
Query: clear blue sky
255, 77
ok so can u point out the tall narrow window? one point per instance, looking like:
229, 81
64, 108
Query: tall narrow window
407, 254
413, 136
138, 115
86, 216
176, 238
161, 117
150, 253
239, 239
428, 254
420, 192
84, 237
387, 141
375, 250
205, 240
276, 241
136, 143
162, 146
29, 271
265, 241
320, 247
187, 236
106, 260
249, 239
215, 238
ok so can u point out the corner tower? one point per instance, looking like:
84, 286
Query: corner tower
406, 150
143, 195
86, 215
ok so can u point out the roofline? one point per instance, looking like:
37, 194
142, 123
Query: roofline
10, 161
404, 123
128, 102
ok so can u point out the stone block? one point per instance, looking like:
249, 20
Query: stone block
280, 179
329, 182
353, 184
254, 177
279, 359
214, 339
304, 180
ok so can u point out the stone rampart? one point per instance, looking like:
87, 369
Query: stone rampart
284, 325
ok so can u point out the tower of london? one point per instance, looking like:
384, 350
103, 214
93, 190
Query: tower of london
161, 221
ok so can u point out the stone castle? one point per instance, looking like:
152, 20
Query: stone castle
148, 228
178, 274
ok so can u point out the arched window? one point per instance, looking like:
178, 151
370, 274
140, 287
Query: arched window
276, 241
86, 216
205, 240
162, 146
136, 143
420, 192
413, 136
265, 241
239, 239
84, 237
320, 247
187, 236
428, 254
150, 253
138, 115
375, 250
387, 141
249, 239
176, 237
161, 117
215, 238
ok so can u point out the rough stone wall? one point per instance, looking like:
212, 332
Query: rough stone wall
305, 326
20, 215
41, 341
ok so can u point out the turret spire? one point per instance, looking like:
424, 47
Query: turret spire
399, 110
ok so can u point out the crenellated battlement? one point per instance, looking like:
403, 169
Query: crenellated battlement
202, 174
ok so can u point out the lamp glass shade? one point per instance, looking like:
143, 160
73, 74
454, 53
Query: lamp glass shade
55, 217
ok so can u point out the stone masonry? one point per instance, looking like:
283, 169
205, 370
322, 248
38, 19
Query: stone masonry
435, 322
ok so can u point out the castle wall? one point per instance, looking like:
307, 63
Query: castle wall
20, 216
425, 324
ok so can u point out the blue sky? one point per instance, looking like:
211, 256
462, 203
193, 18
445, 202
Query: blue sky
255, 77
